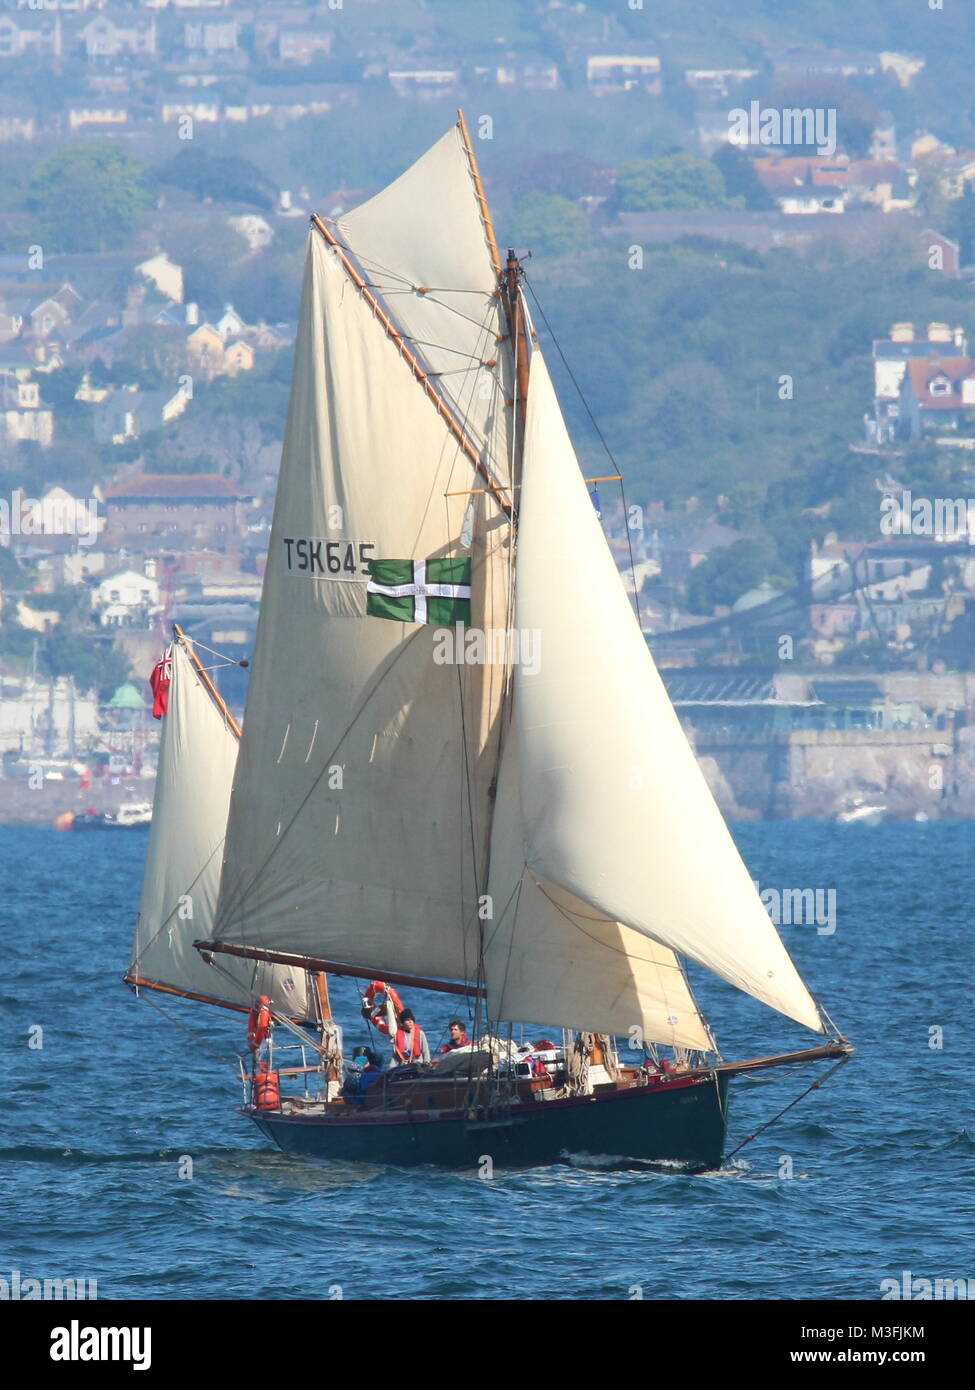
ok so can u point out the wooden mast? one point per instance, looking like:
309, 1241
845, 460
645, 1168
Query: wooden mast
514, 303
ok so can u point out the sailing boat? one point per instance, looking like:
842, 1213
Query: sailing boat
459, 769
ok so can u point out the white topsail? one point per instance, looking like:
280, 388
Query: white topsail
197, 754
615, 808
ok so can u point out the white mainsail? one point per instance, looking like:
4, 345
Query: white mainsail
614, 808
360, 811
197, 754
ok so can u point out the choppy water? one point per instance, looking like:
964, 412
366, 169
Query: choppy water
97, 1120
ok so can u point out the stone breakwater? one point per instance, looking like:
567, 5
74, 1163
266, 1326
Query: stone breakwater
817, 774
22, 804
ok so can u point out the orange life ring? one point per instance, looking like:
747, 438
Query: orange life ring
259, 1023
379, 987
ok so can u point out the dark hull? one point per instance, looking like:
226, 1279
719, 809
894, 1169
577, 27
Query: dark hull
681, 1122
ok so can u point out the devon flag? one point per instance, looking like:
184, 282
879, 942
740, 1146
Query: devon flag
420, 591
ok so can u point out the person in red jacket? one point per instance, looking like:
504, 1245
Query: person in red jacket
458, 1037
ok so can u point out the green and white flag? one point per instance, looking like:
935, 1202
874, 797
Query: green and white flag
420, 591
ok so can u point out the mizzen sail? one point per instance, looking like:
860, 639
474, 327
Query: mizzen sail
197, 755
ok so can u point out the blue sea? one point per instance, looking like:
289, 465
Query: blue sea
866, 1178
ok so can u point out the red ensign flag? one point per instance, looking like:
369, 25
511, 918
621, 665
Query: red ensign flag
162, 674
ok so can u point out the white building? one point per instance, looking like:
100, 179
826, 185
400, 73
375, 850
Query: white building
126, 599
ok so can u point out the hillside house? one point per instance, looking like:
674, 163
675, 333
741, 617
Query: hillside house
890, 358
103, 37
55, 312
125, 598
165, 274
23, 412
303, 46
424, 83
200, 508
130, 413
937, 395
623, 72
101, 117
211, 38
30, 34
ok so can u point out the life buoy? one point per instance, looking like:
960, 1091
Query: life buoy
379, 987
259, 1023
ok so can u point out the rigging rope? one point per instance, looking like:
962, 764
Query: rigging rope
200, 1042
814, 1087
602, 439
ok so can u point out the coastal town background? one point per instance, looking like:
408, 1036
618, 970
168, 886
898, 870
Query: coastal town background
757, 256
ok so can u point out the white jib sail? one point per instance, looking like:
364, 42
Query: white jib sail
616, 810
553, 959
197, 755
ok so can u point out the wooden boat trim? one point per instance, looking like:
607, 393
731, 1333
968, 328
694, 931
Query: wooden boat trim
138, 982
832, 1051
478, 1116
332, 967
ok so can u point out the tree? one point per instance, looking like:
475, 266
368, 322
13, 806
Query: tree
567, 174
740, 178
94, 662
224, 178
88, 198
671, 182
961, 224
545, 222
728, 573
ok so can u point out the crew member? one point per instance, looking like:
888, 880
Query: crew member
409, 1040
458, 1037
369, 1070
